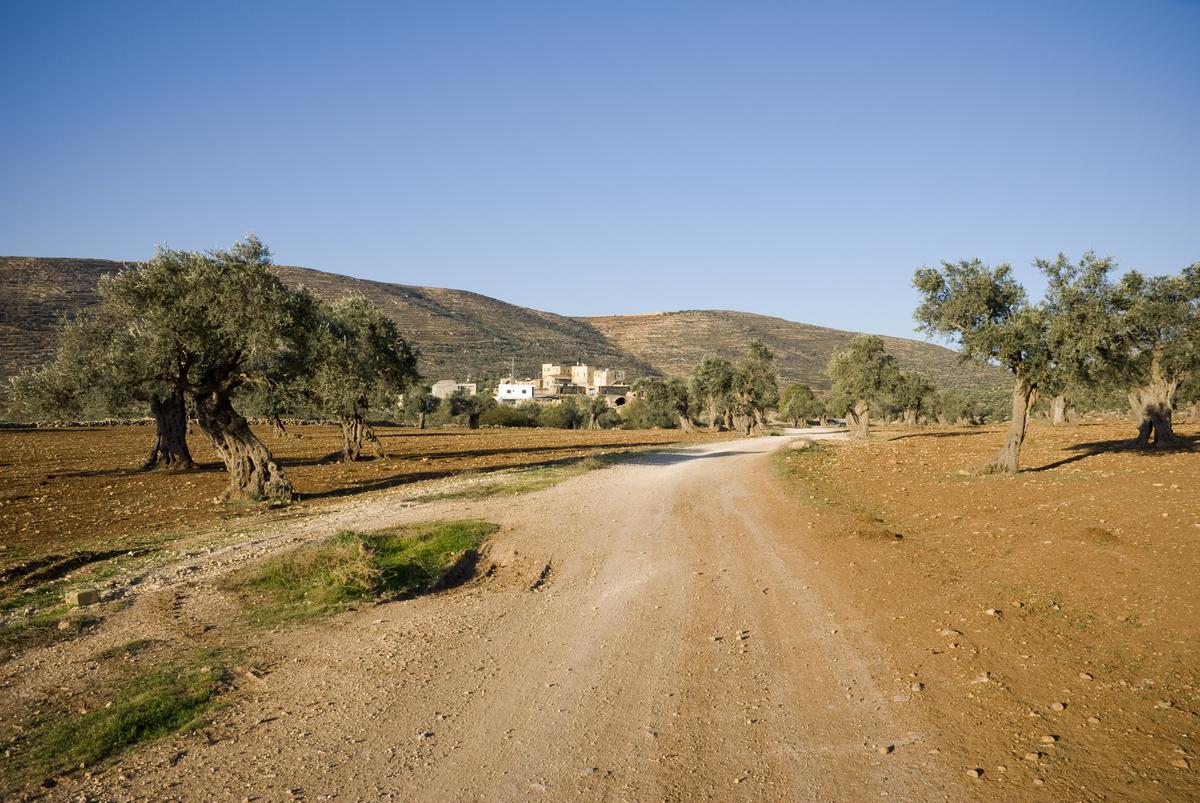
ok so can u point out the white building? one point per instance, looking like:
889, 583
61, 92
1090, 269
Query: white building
513, 392
444, 388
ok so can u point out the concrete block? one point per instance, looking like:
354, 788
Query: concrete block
83, 596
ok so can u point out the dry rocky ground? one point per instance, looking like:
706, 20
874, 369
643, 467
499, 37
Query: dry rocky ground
1051, 618
724, 621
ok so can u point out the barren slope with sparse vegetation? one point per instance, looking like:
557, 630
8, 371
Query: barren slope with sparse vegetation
463, 334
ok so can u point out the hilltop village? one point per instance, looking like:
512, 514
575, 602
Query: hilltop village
555, 383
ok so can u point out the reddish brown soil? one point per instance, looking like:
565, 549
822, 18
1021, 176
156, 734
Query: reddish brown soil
1052, 616
68, 489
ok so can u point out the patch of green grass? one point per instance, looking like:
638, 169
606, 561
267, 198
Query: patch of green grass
167, 699
323, 578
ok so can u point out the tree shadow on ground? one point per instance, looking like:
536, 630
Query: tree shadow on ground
136, 471
657, 458
469, 453
668, 458
958, 433
1185, 443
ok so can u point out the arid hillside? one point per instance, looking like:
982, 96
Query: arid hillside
463, 334
673, 342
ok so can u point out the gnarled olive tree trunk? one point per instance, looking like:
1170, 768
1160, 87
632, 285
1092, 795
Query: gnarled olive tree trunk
685, 423
1153, 405
858, 418
713, 423
1024, 394
1058, 411
253, 473
170, 449
422, 417
910, 419
354, 432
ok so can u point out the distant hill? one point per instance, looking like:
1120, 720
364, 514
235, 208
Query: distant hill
463, 334
673, 342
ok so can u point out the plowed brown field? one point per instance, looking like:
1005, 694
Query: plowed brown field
80, 488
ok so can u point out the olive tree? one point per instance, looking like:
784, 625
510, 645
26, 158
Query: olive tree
1081, 334
711, 384
755, 387
199, 326
359, 361
863, 374
987, 312
594, 410
662, 403
1139, 335
95, 372
460, 403
911, 394
798, 403
1159, 339
419, 404
231, 322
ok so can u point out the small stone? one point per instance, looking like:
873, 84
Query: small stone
1049, 739
1032, 756
1181, 763
945, 631
717, 638
1059, 706
1038, 782
917, 686
1001, 768
64, 624
425, 735
1085, 675
886, 749
1165, 704
1093, 720
975, 772
992, 612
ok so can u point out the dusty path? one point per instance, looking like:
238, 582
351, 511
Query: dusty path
682, 645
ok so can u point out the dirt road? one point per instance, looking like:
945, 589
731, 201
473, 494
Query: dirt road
656, 630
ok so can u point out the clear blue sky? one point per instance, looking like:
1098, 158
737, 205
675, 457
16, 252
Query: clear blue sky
792, 159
